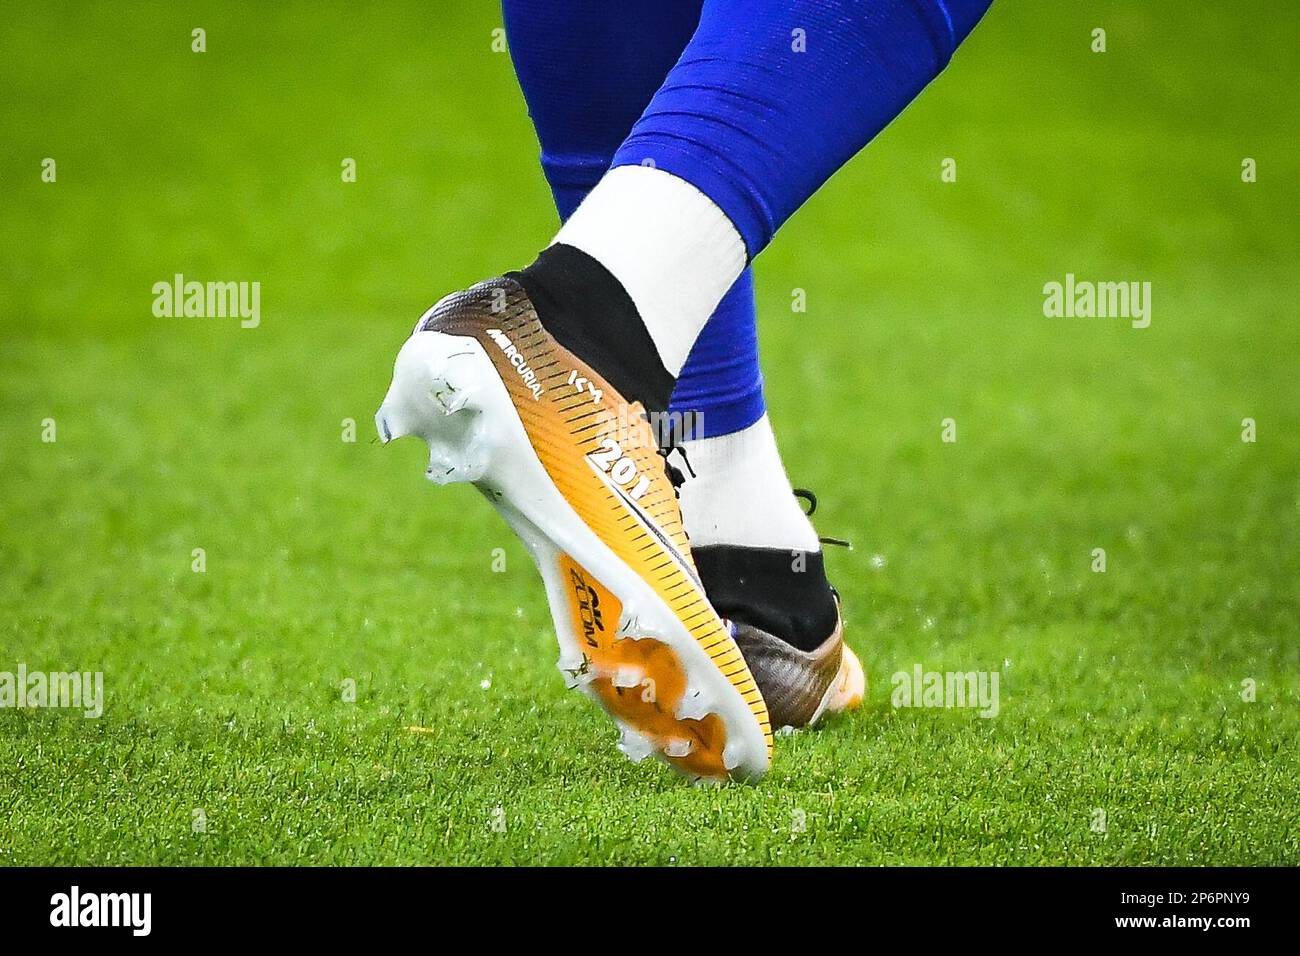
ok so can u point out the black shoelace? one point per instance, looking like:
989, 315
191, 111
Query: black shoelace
807, 495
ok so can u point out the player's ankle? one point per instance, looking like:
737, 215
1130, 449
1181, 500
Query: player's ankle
669, 245
740, 494
757, 553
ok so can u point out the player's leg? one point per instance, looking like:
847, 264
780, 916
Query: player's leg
518, 383
587, 70
767, 101
561, 452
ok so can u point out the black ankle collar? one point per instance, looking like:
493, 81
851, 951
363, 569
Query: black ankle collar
589, 312
782, 592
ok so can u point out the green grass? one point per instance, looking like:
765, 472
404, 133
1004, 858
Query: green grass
329, 560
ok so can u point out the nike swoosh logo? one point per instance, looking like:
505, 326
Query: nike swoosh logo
649, 525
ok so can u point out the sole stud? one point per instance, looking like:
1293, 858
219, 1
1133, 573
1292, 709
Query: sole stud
731, 755
456, 458
678, 747
693, 706
634, 745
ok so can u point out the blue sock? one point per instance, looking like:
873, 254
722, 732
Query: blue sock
771, 97
587, 69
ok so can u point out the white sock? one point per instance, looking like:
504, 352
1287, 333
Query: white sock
673, 250
740, 494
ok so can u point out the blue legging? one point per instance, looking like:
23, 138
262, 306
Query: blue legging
755, 102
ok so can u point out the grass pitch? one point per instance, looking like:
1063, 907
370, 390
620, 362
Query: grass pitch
1122, 734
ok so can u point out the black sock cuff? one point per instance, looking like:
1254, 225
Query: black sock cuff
765, 588
589, 312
